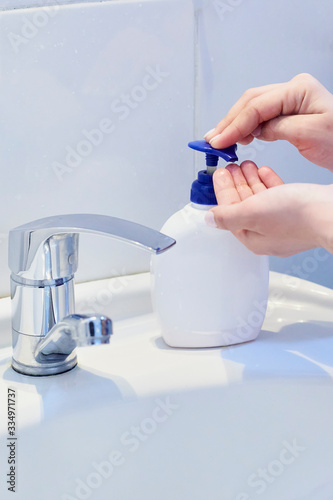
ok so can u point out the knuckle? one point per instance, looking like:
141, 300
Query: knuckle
306, 80
249, 93
304, 76
253, 109
240, 125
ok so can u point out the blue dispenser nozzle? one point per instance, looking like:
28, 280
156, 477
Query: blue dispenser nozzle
202, 191
212, 155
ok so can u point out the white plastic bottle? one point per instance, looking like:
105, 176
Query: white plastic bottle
208, 290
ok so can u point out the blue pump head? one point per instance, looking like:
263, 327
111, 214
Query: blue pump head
202, 191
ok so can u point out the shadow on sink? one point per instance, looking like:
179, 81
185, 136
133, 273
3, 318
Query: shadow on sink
299, 349
71, 392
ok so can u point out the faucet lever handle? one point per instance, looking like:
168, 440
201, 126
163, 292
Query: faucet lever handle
47, 249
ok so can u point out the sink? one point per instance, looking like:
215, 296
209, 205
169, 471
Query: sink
138, 420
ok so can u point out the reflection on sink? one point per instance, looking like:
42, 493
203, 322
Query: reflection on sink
140, 420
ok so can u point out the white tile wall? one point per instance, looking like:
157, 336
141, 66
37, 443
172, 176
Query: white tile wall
243, 44
134, 70
96, 109
23, 4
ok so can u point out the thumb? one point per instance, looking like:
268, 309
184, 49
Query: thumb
231, 217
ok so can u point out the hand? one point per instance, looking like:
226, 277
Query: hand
268, 217
299, 111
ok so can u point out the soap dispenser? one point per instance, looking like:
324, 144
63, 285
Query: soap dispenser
209, 290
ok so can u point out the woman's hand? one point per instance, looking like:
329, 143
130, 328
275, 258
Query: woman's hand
269, 217
299, 111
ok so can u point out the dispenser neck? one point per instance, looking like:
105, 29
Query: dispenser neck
202, 190
197, 206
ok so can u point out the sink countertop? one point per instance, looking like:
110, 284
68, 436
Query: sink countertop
296, 341
246, 398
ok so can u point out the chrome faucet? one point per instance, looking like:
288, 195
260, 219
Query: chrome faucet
43, 258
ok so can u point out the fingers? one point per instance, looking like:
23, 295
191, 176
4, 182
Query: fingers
237, 108
240, 182
238, 209
245, 177
234, 183
273, 112
269, 178
237, 183
256, 111
224, 186
251, 174
280, 100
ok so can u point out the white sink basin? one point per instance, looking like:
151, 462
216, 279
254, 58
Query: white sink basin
137, 420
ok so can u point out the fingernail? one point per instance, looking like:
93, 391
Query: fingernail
213, 140
209, 132
256, 131
210, 220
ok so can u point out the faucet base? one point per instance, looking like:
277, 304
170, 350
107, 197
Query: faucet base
45, 369
25, 359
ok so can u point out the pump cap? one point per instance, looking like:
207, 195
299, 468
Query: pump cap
228, 154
